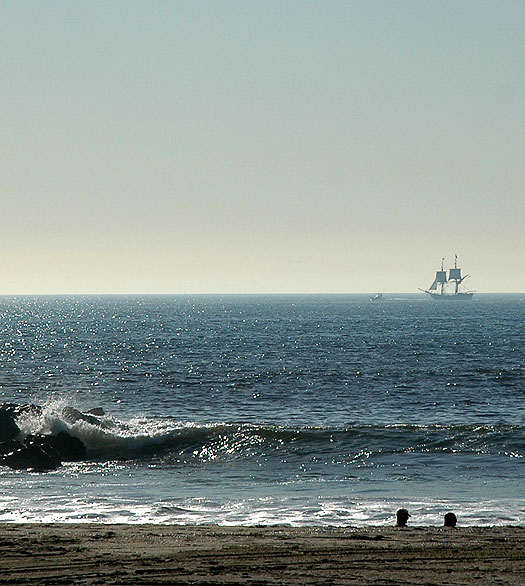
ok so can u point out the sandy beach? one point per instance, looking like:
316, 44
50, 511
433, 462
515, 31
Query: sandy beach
179, 555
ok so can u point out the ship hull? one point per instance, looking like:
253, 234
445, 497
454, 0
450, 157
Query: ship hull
449, 297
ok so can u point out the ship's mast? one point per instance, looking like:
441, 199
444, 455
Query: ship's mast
442, 283
456, 266
455, 275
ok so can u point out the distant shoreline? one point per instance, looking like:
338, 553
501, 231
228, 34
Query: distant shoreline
91, 554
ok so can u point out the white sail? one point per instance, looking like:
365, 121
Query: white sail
441, 277
454, 274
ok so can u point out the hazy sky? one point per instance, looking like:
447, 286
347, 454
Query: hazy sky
269, 146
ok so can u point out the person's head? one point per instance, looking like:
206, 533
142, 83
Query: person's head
402, 517
450, 520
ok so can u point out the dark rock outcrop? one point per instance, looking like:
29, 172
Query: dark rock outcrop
8, 428
40, 452
98, 411
68, 448
8, 447
33, 457
72, 415
9, 413
16, 410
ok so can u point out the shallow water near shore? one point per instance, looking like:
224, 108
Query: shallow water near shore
245, 410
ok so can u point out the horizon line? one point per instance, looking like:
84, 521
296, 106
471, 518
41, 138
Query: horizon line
237, 293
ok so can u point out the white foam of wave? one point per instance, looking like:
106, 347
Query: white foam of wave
260, 511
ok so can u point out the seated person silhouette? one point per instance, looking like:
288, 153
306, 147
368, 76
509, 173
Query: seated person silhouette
402, 517
450, 520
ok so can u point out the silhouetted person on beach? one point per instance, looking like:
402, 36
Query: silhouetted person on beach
402, 517
450, 520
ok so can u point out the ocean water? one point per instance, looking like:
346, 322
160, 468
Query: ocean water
303, 410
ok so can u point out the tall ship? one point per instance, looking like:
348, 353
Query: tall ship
449, 287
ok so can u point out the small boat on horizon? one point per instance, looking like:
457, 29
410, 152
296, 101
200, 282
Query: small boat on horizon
377, 297
448, 288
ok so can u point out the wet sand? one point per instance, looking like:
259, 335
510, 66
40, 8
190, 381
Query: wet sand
208, 555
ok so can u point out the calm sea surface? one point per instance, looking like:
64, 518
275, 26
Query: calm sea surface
307, 410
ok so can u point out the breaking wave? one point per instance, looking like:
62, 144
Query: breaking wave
109, 438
